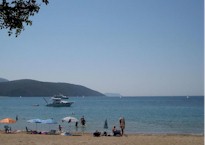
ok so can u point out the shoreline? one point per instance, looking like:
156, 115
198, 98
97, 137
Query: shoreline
89, 133
182, 134
109, 132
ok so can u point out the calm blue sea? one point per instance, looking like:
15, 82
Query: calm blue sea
177, 115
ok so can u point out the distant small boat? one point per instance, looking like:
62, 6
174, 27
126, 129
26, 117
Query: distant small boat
187, 97
35, 105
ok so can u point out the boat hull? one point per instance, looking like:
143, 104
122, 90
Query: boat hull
60, 104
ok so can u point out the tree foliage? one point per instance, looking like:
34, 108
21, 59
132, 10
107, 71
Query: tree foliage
15, 14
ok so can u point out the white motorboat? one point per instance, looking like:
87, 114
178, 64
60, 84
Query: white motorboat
58, 102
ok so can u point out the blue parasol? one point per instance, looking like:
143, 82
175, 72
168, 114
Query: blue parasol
49, 121
36, 121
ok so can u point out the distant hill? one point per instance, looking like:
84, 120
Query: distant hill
3, 80
28, 88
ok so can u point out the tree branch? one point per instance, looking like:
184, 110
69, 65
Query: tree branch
14, 15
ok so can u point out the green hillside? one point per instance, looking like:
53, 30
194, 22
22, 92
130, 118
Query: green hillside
28, 88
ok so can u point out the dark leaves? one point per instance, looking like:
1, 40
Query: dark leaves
14, 15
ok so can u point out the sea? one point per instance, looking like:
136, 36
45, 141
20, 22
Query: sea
143, 115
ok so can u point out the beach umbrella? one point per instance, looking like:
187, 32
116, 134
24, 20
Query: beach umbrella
7, 121
49, 121
70, 119
106, 124
36, 121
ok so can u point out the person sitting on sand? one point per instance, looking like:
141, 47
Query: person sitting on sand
6, 127
96, 133
115, 131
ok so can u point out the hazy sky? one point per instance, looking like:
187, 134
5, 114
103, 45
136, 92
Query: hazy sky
131, 47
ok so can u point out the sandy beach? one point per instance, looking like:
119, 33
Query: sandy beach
88, 139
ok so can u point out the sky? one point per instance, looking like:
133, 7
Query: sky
131, 47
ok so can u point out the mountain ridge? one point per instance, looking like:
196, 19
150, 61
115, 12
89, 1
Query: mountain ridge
29, 87
3, 80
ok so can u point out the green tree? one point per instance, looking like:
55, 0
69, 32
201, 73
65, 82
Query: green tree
15, 14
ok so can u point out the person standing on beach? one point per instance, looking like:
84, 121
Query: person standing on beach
76, 124
82, 121
17, 118
60, 128
122, 124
